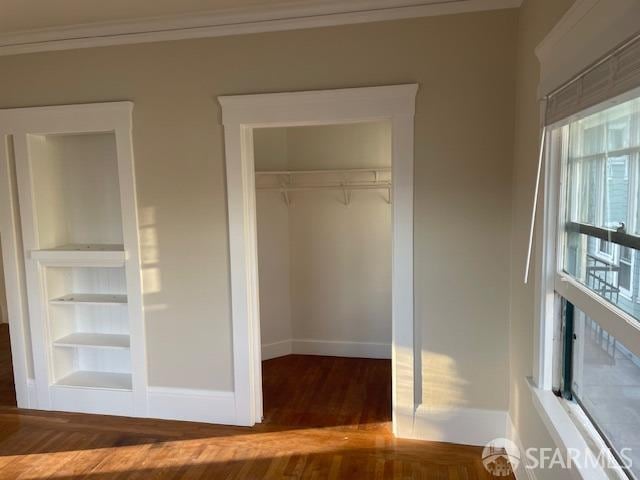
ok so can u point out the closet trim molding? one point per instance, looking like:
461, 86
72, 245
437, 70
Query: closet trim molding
243, 113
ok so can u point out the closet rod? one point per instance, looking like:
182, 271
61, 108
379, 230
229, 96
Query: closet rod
328, 172
297, 188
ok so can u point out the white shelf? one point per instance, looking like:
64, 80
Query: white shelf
99, 299
94, 340
82, 255
100, 380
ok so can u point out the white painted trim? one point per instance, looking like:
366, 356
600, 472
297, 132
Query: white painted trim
14, 275
32, 394
192, 405
523, 471
277, 349
240, 115
329, 348
565, 433
333, 348
467, 426
133, 265
236, 21
569, 20
547, 262
615, 321
588, 31
113, 117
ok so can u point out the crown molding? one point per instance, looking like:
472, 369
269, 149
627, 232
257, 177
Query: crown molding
588, 31
236, 21
569, 20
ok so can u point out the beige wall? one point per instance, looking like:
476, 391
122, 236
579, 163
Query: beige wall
536, 19
465, 66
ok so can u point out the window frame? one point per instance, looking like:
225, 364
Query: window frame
550, 278
552, 284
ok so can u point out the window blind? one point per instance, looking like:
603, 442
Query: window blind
613, 75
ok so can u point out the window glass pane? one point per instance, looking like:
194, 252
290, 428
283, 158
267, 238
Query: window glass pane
616, 197
585, 186
618, 134
602, 178
624, 279
606, 381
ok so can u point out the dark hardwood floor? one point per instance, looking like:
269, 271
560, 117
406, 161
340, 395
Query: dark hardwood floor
325, 418
7, 390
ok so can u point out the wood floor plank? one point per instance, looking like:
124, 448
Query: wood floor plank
325, 418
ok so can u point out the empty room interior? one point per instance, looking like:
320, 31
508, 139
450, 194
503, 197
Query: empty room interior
320, 239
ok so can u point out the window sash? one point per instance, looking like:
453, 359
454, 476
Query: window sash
616, 321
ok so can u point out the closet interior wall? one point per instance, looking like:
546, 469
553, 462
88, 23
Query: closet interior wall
324, 265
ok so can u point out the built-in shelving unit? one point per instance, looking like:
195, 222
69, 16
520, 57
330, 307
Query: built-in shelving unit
77, 203
93, 340
88, 255
103, 380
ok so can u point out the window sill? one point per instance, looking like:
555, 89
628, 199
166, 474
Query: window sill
563, 426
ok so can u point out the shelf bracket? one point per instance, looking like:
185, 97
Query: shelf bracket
284, 191
388, 199
285, 196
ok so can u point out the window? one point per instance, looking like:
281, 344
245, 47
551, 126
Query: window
597, 155
606, 383
601, 168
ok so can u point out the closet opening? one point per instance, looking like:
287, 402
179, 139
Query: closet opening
242, 117
324, 233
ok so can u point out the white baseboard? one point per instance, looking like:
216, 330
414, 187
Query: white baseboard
191, 405
522, 472
342, 349
467, 426
276, 349
32, 397
329, 348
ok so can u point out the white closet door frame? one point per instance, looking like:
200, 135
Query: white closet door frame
115, 117
241, 114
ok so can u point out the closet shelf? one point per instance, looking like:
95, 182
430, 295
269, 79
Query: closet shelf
76, 255
98, 299
98, 380
345, 180
94, 340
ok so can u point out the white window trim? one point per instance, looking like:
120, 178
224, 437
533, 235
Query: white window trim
554, 411
570, 429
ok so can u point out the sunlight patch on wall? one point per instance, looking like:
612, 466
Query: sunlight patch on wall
442, 386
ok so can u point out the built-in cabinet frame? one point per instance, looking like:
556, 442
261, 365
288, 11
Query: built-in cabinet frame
243, 113
24, 269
